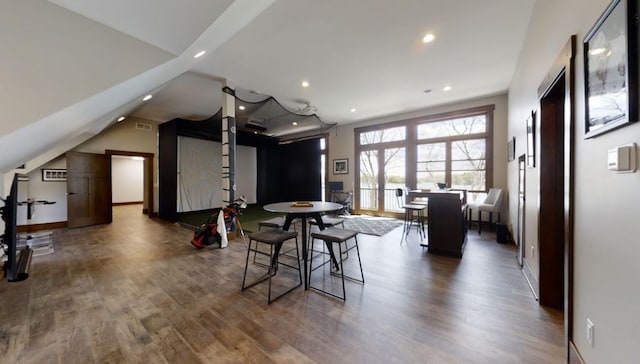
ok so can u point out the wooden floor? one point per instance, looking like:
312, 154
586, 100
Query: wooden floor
136, 291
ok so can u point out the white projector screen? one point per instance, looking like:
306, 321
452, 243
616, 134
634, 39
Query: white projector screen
200, 174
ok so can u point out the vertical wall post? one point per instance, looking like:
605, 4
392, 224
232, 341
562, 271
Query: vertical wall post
228, 144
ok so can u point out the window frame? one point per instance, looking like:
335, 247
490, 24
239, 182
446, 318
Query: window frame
411, 143
487, 135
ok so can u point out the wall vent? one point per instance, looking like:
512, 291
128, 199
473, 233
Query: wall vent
145, 127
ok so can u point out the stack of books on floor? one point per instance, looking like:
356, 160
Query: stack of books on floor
40, 242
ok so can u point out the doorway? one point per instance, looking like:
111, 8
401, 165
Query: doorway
382, 171
556, 181
127, 180
147, 197
89, 200
551, 208
522, 161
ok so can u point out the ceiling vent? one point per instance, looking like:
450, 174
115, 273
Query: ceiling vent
255, 124
145, 127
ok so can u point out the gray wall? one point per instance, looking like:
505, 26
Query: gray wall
606, 204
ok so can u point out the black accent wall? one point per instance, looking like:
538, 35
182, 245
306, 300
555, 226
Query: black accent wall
289, 172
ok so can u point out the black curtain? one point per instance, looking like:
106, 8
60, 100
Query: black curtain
300, 171
167, 169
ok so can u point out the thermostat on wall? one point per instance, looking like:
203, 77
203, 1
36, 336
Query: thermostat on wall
622, 159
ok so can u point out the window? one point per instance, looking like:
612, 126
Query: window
383, 135
454, 148
453, 127
468, 164
458, 158
431, 166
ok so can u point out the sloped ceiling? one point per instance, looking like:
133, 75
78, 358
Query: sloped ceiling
362, 54
75, 66
167, 24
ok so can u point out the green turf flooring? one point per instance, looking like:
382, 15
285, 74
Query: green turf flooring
248, 217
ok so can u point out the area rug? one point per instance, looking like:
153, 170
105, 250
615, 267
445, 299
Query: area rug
371, 225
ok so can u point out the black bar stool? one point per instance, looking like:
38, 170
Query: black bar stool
333, 235
327, 221
274, 223
274, 239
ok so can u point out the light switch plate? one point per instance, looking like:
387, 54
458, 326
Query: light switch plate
622, 159
590, 328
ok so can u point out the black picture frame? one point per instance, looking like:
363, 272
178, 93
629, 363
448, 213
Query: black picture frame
341, 166
531, 140
611, 69
511, 149
54, 175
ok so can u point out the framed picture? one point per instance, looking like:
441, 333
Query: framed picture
54, 175
340, 166
531, 140
611, 69
511, 149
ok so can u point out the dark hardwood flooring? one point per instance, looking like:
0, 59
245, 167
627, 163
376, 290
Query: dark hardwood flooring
136, 291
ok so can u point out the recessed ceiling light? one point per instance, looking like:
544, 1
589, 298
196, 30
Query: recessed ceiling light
428, 38
121, 118
353, 109
427, 91
199, 54
305, 84
241, 107
447, 88
147, 98
294, 123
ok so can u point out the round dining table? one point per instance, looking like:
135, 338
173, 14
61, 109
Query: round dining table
303, 210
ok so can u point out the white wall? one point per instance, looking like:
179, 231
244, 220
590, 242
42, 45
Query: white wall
606, 204
127, 179
39, 190
59, 57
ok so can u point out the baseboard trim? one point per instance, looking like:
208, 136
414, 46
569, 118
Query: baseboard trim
530, 278
574, 354
126, 203
39, 227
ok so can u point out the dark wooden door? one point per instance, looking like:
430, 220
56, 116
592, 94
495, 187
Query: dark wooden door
88, 189
551, 224
521, 208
